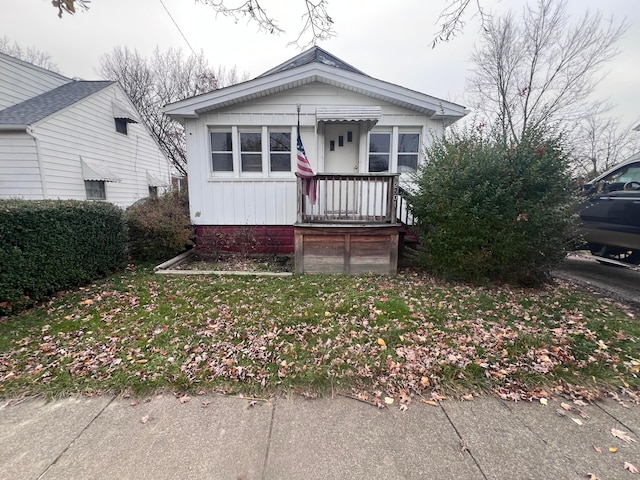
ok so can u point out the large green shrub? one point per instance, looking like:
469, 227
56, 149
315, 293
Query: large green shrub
159, 228
490, 211
47, 246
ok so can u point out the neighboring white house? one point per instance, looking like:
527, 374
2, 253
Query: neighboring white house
70, 139
241, 147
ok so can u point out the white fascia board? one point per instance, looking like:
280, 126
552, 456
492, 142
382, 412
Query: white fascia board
316, 72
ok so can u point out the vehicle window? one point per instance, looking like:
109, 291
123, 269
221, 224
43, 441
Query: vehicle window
630, 173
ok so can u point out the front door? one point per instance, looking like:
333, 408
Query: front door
341, 141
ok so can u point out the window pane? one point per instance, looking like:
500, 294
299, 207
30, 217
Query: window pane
251, 162
280, 162
380, 142
250, 142
408, 142
222, 162
407, 163
280, 142
121, 125
220, 141
95, 190
378, 163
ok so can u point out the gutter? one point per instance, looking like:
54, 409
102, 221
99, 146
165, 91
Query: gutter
43, 179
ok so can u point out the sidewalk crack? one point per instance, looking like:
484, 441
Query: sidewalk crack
463, 445
76, 438
266, 454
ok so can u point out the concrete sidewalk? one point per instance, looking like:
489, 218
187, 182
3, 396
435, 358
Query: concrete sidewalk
217, 437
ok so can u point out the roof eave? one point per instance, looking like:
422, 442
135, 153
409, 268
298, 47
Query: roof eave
13, 128
264, 86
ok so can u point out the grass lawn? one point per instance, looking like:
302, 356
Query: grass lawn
368, 336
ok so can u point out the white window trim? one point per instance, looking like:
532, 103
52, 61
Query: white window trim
417, 131
213, 173
237, 147
292, 152
388, 131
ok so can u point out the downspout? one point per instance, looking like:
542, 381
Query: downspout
43, 180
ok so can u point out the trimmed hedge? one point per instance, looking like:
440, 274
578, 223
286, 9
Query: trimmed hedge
48, 246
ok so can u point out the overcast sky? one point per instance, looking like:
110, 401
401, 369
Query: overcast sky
389, 40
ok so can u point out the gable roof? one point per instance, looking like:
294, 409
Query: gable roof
313, 55
37, 108
311, 66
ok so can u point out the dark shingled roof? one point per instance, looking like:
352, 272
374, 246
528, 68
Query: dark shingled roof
314, 54
37, 108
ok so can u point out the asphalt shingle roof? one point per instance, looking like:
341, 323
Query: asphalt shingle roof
314, 54
37, 108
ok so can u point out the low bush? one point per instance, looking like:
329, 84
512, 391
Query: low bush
488, 211
48, 246
160, 227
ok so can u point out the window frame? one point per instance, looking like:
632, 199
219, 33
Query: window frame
388, 153
271, 153
401, 154
121, 126
213, 152
88, 190
258, 154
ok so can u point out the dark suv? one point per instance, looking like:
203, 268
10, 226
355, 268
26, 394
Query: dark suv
610, 216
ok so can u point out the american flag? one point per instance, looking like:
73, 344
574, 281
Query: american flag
305, 171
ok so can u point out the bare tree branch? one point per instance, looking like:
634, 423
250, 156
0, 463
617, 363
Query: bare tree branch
164, 78
29, 54
542, 68
452, 22
317, 24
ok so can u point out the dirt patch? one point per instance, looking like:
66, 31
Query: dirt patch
238, 263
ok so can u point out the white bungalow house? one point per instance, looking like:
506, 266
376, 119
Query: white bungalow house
69, 139
361, 136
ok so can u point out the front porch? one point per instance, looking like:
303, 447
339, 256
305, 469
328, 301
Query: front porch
352, 227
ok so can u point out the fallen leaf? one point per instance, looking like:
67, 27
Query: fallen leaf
597, 449
613, 449
252, 403
622, 435
566, 406
591, 476
424, 382
144, 419
468, 397
206, 403
580, 403
185, 399
388, 400
543, 401
433, 403
632, 468
403, 408
381, 342
577, 420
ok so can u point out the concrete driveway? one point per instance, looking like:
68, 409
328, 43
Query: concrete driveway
618, 282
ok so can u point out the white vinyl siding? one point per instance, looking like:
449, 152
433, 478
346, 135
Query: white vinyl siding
19, 170
269, 197
20, 81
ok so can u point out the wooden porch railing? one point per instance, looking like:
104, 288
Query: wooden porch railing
350, 198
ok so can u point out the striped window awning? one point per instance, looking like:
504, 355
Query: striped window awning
122, 111
94, 170
155, 180
370, 115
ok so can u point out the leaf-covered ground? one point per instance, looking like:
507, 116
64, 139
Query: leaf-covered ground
373, 337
